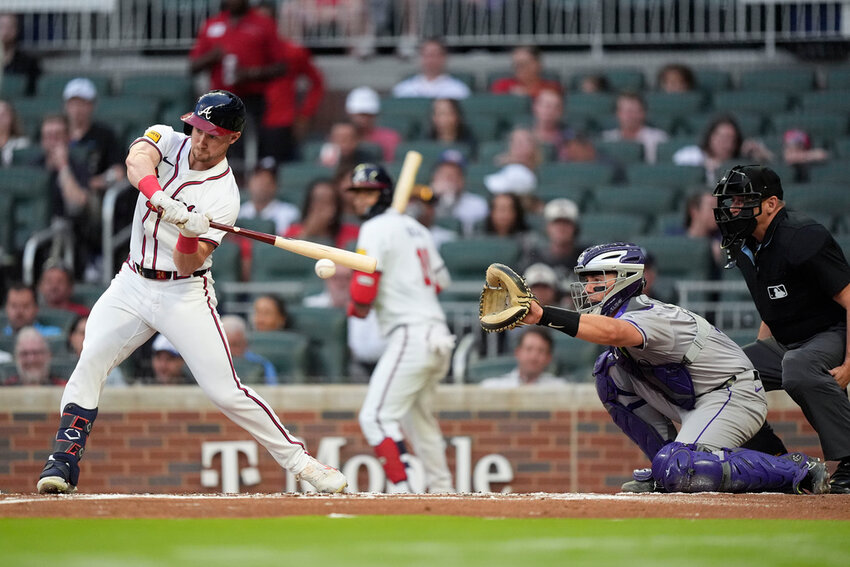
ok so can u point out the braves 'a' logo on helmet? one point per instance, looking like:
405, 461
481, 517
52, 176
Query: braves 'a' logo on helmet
206, 112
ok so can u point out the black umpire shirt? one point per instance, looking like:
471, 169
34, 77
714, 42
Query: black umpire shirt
793, 275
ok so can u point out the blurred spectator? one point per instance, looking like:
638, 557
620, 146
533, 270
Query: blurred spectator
289, 106
56, 286
423, 207
631, 120
676, 78
15, 61
533, 355
169, 369
5, 357
543, 282
363, 106
240, 49
700, 223
22, 311
269, 313
32, 361
432, 81
561, 249
517, 179
11, 133
797, 151
262, 203
251, 367
448, 181
76, 336
591, 84
549, 126
523, 148
506, 218
448, 126
321, 217
721, 142
365, 342
104, 155
527, 79
352, 19
650, 274
342, 149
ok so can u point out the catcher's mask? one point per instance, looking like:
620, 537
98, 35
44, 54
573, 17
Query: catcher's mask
217, 113
740, 194
622, 263
370, 176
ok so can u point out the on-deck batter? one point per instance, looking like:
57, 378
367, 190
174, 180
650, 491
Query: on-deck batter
403, 290
165, 285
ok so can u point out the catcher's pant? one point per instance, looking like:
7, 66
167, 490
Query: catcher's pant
802, 370
723, 418
132, 309
401, 393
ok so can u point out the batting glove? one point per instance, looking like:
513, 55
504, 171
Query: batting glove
170, 210
196, 225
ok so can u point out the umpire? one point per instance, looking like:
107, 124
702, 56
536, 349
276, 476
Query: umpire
800, 282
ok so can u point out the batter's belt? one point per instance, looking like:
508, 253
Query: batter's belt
165, 275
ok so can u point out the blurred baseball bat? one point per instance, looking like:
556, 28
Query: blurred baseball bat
359, 262
406, 180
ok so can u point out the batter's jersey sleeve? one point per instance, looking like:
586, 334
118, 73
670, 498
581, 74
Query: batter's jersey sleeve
163, 138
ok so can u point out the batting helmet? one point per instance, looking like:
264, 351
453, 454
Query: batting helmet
216, 113
625, 261
371, 176
739, 196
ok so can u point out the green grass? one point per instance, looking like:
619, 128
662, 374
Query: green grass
413, 541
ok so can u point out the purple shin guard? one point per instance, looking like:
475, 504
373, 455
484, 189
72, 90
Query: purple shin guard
680, 467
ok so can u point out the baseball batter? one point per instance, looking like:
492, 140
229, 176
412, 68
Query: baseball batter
165, 285
667, 366
403, 291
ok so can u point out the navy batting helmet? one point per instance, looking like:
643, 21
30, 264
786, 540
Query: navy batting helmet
216, 113
373, 176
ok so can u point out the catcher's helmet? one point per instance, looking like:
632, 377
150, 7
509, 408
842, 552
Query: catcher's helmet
372, 176
216, 113
739, 196
622, 259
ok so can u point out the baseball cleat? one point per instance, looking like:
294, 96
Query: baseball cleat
840, 481
641, 483
54, 478
818, 477
322, 477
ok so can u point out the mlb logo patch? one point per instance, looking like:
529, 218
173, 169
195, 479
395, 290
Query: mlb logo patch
777, 291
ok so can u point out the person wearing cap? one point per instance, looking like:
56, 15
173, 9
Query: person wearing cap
533, 356
562, 247
167, 364
363, 106
262, 202
800, 282
543, 282
423, 207
432, 81
448, 181
97, 140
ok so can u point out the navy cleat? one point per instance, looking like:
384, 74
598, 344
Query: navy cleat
56, 477
840, 481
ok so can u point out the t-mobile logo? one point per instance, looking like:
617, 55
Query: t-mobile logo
230, 473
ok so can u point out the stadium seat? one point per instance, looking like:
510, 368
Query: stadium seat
821, 127
61, 318
825, 101
486, 126
293, 179
598, 228
580, 174
678, 256
574, 358
831, 172
52, 84
418, 107
794, 80
7, 204
647, 200
665, 174
668, 223
813, 198
665, 150
843, 241
556, 190
838, 78
469, 258
712, 80
623, 151
592, 106
750, 123
28, 156
326, 328
762, 102
127, 111
87, 293
227, 260
409, 127
257, 224
271, 264
250, 372
286, 350
13, 86
489, 367
618, 79
674, 104
29, 188
430, 151
500, 105
173, 88
32, 110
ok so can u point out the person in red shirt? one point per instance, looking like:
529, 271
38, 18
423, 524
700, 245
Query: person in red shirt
56, 286
527, 79
285, 120
322, 217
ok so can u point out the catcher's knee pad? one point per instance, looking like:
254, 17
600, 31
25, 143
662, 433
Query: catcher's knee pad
642, 433
389, 454
680, 467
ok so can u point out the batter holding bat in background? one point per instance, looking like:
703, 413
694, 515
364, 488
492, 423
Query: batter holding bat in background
184, 181
664, 366
403, 290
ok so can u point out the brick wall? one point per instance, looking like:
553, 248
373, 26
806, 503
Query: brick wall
149, 439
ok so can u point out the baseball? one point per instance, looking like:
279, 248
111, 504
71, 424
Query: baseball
325, 268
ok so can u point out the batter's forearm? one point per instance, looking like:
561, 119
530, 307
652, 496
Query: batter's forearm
141, 162
188, 261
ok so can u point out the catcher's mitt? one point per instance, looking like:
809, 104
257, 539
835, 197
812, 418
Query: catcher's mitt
505, 299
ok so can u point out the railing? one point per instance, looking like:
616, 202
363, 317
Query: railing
727, 304
60, 236
89, 25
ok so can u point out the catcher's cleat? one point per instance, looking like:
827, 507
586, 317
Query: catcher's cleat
54, 478
505, 299
641, 483
322, 477
817, 480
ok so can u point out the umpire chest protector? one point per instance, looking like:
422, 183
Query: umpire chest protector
793, 276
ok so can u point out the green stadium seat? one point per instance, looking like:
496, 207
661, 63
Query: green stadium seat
28, 156
32, 110
557, 190
506, 106
665, 150
825, 101
582, 174
489, 367
257, 224
574, 358
52, 85
87, 293
61, 318
762, 102
409, 127
417, 107
791, 80
712, 80
327, 330
486, 127
598, 228
494, 76
7, 204
838, 78
665, 174
293, 179
272, 264
674, 104
249, 371
646, 200
286, 350
841, 146
667, 223
822, 127
13, 86
469, 258
813, 198
30, 191
623, 151
618, 79
171, 88
227, 260
678, 256
831, 172
751, 124
431, 152
127, 111
589, 105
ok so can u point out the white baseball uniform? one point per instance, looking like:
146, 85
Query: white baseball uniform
183, 309
403, 384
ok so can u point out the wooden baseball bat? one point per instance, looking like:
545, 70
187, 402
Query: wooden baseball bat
406, 180
359, 262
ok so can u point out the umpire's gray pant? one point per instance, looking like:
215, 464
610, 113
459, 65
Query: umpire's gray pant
802, 370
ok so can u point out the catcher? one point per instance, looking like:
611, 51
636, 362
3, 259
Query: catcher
665, 366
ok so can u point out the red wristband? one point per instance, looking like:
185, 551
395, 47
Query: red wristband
186, 245
149, 185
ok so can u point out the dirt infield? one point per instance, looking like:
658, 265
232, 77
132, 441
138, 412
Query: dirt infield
540, 505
